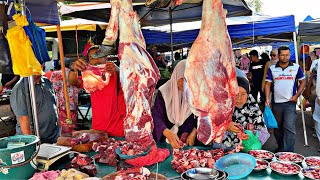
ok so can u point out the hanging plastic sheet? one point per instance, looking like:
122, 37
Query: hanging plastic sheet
37, 37
24, 62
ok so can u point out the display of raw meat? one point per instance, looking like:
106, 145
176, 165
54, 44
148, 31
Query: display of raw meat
192, 158
261, 164
132, 149
85, 164
289, 156
312, 172
95, 78
140, 173
48, 175
261, 154
313, 161
107, 151
211, 85
285, 167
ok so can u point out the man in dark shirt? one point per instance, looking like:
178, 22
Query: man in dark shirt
256, 72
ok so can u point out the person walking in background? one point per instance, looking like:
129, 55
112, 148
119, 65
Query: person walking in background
273, 61
265, 57
315, 100
256, 75
283, 76
244, 63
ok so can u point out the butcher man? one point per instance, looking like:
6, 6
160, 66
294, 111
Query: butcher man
108, 106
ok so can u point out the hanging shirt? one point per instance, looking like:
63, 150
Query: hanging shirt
24, 62
57, 82
108, 108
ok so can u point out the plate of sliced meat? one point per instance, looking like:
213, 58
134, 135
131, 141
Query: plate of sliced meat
311, 172
290, 156
312, 161
261, 165
285, 168
262, 154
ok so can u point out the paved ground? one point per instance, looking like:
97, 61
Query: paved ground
300, 147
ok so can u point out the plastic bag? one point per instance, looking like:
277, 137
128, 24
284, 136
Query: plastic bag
269, 118
252, 143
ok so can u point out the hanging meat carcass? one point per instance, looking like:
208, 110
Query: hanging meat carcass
210, 75
138, 76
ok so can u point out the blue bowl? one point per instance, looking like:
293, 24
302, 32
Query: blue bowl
237, 165
123, 156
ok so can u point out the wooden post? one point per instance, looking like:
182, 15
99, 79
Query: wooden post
65, 90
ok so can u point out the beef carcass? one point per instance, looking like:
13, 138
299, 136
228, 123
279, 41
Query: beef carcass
138, 76
211, 84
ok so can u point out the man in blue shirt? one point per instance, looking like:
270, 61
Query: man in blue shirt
284, 75
46, 109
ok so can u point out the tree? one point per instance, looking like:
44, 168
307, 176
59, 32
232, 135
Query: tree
255, 4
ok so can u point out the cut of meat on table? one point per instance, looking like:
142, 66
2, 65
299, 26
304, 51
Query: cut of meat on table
95, 78
85, 164
211, 85
48, 175
187, 159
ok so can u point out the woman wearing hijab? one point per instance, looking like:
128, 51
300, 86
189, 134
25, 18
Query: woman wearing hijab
172, 117
247, 114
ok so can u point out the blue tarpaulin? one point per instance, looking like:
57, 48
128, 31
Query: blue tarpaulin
42, 11
271, 29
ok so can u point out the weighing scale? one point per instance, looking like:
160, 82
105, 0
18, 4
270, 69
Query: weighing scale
51, 153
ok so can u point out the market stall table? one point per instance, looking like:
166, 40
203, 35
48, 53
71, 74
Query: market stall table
165, 168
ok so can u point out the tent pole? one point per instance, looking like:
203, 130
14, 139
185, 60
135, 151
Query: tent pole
31, 86
300, 98
171, 36
65, 90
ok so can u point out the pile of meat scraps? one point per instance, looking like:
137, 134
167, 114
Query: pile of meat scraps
187, 159
85, 164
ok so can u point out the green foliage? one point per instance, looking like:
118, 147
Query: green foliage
255, 4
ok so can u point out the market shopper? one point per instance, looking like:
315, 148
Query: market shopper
283, 76
108, 106
247, 115
316, 113
171, 115
273, 61
46, 108
256, 75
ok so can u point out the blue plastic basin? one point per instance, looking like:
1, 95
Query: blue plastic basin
237, 165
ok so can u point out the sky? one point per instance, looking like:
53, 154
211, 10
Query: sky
299, 8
